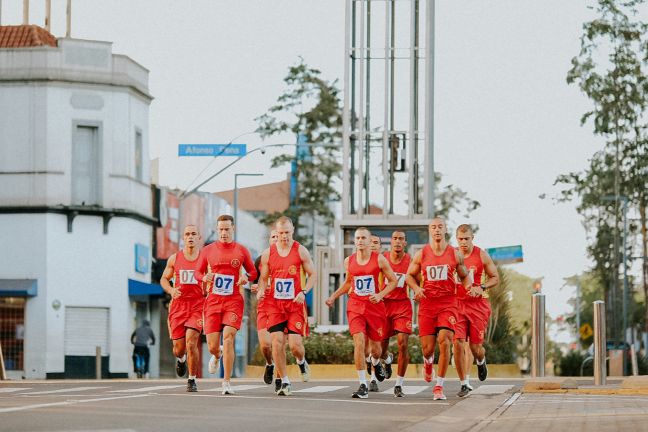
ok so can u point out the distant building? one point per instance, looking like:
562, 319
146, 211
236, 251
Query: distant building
262, 199
76, 220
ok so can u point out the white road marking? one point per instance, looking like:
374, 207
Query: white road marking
69, 402
408, 390
13, 389
64, 390
491, 389
146, 389
320, 389
236, 388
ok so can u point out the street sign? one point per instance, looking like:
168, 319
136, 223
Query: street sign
586, 331
212, 150
506, 254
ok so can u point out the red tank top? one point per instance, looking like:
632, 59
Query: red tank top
474, 264
184, 278
400, 292
285, 273
364, 278
438, 271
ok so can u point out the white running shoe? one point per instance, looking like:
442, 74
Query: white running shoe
227, 389
213, 364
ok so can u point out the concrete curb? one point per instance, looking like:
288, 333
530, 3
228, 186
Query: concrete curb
635, 382
549, 383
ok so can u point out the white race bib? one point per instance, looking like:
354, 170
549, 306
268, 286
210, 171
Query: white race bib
437, 273
400, 280
364, 285
187, 277
223, 284
284, 289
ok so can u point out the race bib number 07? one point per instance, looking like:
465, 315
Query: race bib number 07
187, 277
400, 280
284, 289
437, 273
364, 285
223, 284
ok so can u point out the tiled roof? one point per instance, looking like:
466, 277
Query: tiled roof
24, 36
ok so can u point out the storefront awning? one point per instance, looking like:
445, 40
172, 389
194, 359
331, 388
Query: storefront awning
18, 287
137, 288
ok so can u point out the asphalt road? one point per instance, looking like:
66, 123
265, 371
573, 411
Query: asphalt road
164, 405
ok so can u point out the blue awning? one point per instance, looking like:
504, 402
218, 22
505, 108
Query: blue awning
18, 287
137, 288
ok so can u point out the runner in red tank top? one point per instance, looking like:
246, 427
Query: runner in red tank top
220, 267
286, 308
474, 308
265, 341
438, 262
399, 310
186, 307
365, 309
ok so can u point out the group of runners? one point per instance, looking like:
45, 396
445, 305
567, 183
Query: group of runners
450, 284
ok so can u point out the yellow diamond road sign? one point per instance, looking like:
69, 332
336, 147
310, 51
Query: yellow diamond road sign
586, 331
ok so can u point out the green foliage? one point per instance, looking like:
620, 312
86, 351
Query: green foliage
591, 289
500, 341
310, 106
612, 71
570, 364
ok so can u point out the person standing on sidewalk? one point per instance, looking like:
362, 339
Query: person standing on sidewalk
141, 338
474, 308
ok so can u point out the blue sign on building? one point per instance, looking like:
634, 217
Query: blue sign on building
506, 254
141, 258
212, 150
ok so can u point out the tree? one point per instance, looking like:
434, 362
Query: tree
310, 106
611, 69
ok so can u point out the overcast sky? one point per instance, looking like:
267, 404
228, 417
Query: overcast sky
506, 121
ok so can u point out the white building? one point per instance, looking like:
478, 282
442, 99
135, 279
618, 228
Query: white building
75, 205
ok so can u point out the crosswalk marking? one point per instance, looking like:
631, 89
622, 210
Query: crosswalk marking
408, 390
320, 389
491, 389
145, 389
13, 389
236, 388
64, 390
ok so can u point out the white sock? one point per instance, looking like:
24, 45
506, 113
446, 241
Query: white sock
429, 360
373, 376
269, 364
301, 362
375, 361
481, 362
362, 376
464, 382
399, 380
192, 377
368, 359
285, 380
440, 381
226, 383
182, 359
389, 359
467, 379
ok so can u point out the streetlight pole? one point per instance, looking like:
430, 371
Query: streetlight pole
236, 176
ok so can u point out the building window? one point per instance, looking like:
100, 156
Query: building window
139, 157
86, 166
12, 331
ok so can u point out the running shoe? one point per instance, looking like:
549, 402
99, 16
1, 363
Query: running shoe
482, 371
388, 366
437, 391
368, 368
181, 368
227, 389
285, 390
373, 386
305, 370
268, 373
277, 384
398, 392
362, 392
470, 388
428, 371
379, 369
213, 365
191, 386
463, 391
